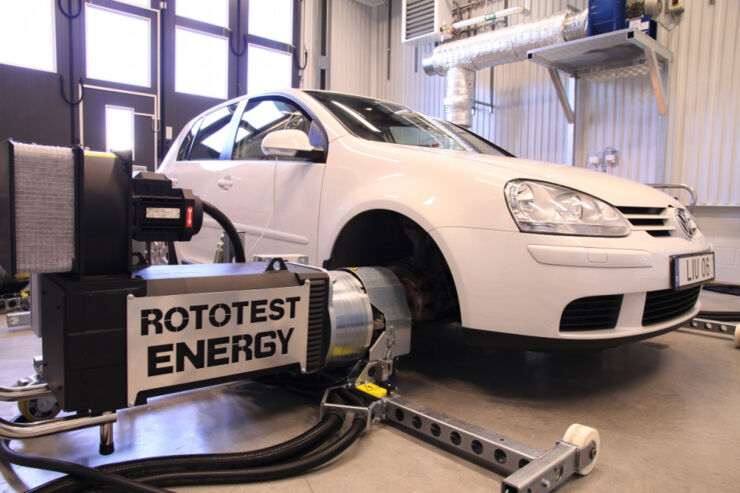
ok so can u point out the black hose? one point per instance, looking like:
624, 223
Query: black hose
175, 464
228, 227
76, 470
265, 473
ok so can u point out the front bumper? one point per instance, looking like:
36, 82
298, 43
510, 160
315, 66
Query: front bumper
517, 283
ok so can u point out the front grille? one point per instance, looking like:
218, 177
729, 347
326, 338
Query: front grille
653, 220
661, 306
593, 313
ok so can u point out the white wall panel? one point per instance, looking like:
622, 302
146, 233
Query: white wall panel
704, 113
621, 112
351, 41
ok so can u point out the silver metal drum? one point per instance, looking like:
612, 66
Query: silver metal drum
351, 319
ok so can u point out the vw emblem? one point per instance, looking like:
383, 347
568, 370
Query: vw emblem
684, 221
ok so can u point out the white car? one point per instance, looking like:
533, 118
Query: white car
536, 253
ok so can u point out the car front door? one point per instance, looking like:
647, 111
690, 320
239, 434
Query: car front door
273, 200
197, 166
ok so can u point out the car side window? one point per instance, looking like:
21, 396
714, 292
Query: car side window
212, 133
187, 142
261, 117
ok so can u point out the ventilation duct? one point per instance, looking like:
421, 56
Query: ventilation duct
458, 60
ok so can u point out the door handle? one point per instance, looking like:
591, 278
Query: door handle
225, 183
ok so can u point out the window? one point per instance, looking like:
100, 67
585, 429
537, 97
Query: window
140, 3
212, 134
268, 70
119, 128
212, 11
201, 63
262, 117
182, 154
272, 19
118, 46
27, 34
387, 122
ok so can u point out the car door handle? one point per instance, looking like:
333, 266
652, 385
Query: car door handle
225, 183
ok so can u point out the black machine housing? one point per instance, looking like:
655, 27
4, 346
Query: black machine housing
84, 309
85, 325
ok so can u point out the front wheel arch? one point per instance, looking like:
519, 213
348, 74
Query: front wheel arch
387, 238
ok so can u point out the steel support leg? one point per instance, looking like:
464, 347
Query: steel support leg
106, 439
656, 78
562, 94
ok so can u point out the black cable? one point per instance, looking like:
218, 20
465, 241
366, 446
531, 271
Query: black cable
306, 441
732, 289
76, 470
720, 316
266, 473
228, 227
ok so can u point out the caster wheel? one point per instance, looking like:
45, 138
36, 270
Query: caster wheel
737, 336
581, 436
39, 409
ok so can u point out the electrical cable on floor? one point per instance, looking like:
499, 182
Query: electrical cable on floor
134, 469
265, 473
272, 462
301, 465
76, 470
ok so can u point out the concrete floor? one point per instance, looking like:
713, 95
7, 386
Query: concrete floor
664, 407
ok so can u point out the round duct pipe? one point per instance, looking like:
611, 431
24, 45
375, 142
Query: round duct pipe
458, 60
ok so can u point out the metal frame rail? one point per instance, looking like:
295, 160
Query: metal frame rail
527, 469
10, 430
716, 327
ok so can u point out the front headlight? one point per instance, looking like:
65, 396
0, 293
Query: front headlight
539, 207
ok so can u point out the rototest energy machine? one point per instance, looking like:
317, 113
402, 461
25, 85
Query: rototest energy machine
116, 331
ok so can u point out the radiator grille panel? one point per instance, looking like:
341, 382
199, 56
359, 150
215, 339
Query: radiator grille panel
44, 179
419, 18
661, 306
592, 313
317, 323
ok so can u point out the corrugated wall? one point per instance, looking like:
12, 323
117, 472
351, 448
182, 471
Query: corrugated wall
621, 112
704, 113
352, 37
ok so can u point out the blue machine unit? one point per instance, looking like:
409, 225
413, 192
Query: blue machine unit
605, 16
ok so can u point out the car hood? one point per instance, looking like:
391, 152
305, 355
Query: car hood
497, 169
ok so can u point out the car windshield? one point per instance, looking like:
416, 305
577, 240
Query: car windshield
387, 122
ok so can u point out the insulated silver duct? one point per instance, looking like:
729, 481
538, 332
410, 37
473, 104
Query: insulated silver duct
459, 60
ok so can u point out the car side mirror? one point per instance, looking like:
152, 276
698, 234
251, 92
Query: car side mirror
290, 143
